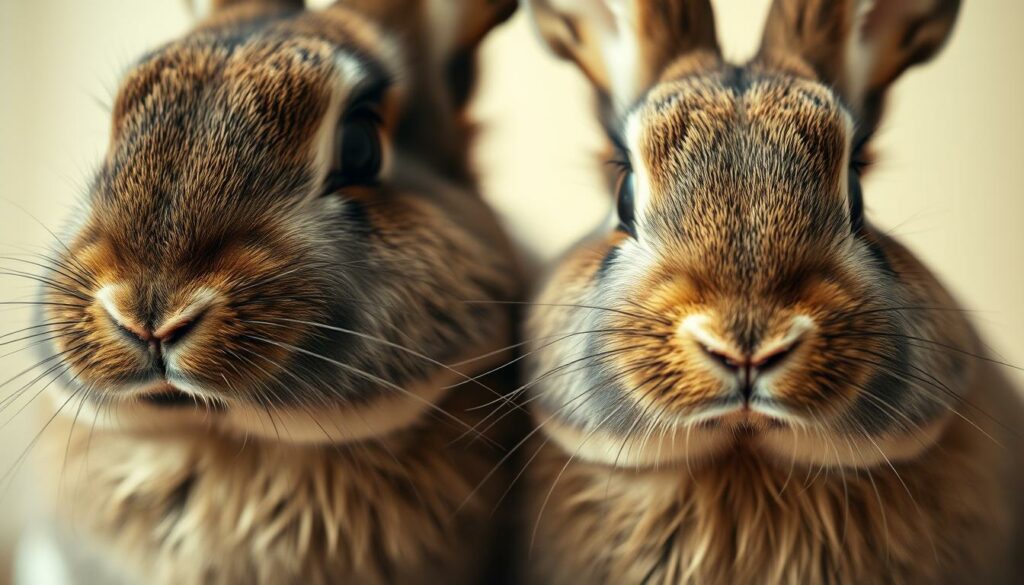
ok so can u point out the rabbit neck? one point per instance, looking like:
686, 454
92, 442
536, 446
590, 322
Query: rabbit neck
943, 517
207, 508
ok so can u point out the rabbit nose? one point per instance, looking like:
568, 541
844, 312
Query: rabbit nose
743, 364
746, 366
172, 330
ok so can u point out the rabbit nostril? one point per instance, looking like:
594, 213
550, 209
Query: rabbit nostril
774, 357
176, 329
724, 359
105, 297
140, 332
133, 329
171, 331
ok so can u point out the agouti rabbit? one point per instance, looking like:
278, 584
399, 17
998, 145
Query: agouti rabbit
745, 381
256, 303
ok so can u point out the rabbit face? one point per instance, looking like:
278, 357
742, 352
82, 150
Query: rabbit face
742, 291
263, 231
743, 300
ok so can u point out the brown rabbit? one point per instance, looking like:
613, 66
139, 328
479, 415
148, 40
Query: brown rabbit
253, 313
746, 381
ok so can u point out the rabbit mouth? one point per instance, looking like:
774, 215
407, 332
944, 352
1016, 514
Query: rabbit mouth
745, 419
170, 396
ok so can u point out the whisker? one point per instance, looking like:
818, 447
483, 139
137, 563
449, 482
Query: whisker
58, 355
37, 326
558, 477
849, 315
917, 382
368, 376
8, 476
899, 478
398, 347
938, 344
559, 337
508, 455
57, 331
521, 389
46, 282
571, 306
44, 340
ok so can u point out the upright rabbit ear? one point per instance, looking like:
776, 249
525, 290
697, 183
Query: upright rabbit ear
860, 46
458, 26
206, 8
448, 27
623, 45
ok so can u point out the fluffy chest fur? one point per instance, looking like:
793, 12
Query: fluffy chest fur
946, 518
206, 510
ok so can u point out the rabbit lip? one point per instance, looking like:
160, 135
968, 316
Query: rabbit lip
169, 396
744, 420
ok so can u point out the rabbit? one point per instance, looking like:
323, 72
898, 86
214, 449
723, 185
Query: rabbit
269, 314
740, 378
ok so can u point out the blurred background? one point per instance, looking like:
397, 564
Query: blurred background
949, 181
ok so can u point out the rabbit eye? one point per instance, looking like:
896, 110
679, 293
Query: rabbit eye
358, 153
625, 202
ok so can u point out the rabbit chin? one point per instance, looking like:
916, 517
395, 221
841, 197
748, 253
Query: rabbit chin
146, 409
744, 432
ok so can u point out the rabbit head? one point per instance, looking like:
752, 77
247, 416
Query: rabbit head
284, 222
740, 297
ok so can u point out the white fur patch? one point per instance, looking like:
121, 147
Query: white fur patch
696, 327
621, 52
641, 175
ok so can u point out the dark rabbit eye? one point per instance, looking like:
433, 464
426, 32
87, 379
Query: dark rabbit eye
358, 153
625, 202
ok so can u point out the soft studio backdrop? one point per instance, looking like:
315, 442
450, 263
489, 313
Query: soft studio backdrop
950, 180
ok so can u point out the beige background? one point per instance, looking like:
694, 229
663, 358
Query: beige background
950, 180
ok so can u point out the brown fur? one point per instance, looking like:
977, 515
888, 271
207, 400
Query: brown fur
742, 519
819, 31
668, 28
201, 508
312, 418
747, 382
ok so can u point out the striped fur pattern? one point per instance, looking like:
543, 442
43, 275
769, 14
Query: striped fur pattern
745, 324
233, 301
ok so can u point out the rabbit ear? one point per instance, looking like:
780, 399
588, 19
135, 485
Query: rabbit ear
449, 27
623, 45
456, 29
204, 8
458, 26
860, 46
